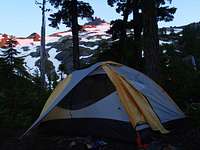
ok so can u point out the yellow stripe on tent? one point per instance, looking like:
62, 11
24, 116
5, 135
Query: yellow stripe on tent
57, 113
57, 91
135, 104
112, 63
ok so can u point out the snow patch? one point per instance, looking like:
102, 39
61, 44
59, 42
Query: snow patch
164, 51
178, 51
52, 53
89, 40
92, 48
164, 42
85, 57
30, 64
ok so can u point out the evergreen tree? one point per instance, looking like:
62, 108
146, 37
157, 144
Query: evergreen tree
55, 82
190, 39
151, 42
9, 52
152, 52
9, 56
61, 69
69, 12
11, 68
145, 17
119, 26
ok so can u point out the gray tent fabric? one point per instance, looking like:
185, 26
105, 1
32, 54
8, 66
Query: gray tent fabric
77, 76
161, 103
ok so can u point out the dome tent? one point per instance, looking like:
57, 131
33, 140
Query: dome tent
108, 96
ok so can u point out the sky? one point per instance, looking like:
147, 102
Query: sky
23, 17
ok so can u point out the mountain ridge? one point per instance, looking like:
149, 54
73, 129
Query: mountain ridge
59, 46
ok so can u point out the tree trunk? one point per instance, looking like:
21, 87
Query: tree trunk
43, 56
123, 36
75, 30
137, 54
151, 41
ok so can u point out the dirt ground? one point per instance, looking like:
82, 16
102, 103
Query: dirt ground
186, 140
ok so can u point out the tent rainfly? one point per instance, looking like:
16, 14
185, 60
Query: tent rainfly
109, 95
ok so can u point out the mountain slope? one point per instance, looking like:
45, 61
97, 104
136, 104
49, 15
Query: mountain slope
59, 46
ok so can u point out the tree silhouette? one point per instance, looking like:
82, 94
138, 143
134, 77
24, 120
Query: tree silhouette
119, 26
146, 14
68, 13
12, 60
152, 13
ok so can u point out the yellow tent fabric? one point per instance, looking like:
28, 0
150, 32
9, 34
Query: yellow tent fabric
59, 88
135, 104
112, 63
57, 113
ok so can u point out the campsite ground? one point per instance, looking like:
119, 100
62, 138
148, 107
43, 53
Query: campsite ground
184, 140
9, 141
